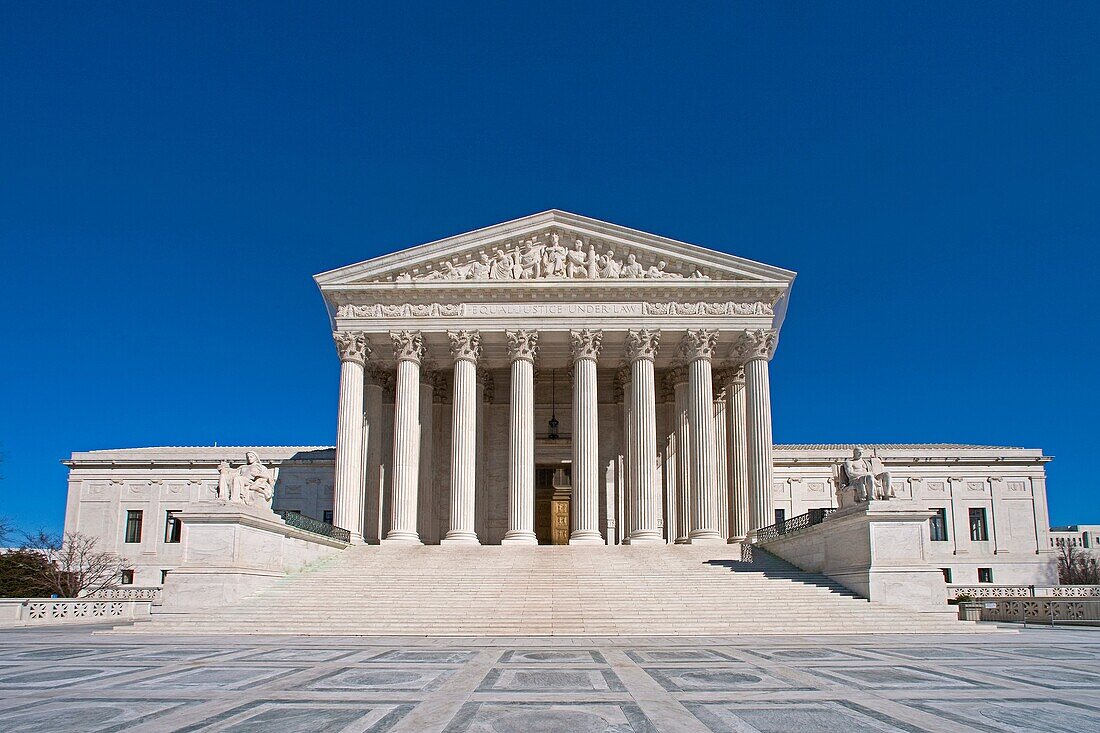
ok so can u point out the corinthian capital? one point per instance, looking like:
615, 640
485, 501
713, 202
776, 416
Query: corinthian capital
676, 373
408, 346
756, 345
699, 343
522, 344
729, 374
352, 346
465, 345
586, 344
642, 344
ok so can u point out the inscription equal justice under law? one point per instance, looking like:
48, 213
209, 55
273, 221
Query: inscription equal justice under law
554, 309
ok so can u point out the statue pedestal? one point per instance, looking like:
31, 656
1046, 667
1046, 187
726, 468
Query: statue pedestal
230, 551
877, 549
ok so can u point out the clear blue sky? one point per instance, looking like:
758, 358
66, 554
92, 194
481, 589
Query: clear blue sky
173, 174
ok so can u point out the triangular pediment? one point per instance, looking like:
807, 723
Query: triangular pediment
554, 245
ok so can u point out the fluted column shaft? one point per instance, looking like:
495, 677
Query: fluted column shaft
409, 350
683, 455
646, 505
585, 469
698, 346
465, 348
758, 347
738, 450
347, 508
522, 348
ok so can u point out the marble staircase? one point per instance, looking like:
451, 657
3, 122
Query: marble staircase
505, 591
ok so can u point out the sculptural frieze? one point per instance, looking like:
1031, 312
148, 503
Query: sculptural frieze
251, 484
545, 256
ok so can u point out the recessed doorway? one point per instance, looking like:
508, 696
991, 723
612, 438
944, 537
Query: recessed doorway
553, 494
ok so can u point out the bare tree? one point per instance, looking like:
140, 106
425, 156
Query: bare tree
6, 529
1076, 567
76, 566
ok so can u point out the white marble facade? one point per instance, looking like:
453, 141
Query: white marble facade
651, 354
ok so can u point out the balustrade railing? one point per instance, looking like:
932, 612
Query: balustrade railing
51, 611
1044, 611
1024, 591
126, 593
316, 526
792, 525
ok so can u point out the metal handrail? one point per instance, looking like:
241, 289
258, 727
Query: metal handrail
316, 526
794, 524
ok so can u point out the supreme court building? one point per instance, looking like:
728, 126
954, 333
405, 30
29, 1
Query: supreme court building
561, 380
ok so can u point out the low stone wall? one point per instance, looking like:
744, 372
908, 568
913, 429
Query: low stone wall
52, 611
1043, 611
232, 551
876, 549
1024, 591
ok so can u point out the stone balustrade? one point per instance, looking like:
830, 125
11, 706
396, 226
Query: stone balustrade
53, 611
1024, 591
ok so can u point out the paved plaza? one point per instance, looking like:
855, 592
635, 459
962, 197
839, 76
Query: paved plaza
73, 680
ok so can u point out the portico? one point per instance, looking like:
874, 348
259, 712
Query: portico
456, 354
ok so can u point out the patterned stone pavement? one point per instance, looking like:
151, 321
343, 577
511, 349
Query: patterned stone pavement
73, 680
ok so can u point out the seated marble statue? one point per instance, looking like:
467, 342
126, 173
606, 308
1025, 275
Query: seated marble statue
252, 484
861, 479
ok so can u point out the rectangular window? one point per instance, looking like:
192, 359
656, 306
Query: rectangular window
985, 575
946, 575
979, 532
163, 576
133, 525
937, 524
127, 577
172, 526
326, 516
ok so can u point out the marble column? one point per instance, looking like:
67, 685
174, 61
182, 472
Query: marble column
522, 349
586, 468
721, 466
408, 349
372, 444
426, 522
756, 349
698, 348
466, 350
347, 506
641, 349
486, 389
737, 450
678, 376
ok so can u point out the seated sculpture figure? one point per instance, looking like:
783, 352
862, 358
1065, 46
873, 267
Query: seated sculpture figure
252, 484
862, 479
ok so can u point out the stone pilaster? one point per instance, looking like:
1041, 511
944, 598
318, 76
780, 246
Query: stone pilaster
698, 348
756, 349
347, 510
733, 380
408, 349
522, 349
585, 471
641, 349
466, 350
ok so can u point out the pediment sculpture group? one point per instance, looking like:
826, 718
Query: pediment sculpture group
551, 260
251, 484
860, 479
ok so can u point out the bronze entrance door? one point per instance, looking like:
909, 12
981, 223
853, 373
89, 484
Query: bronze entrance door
553, 493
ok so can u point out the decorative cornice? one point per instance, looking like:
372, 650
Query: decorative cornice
642, 343
522, 344
352, 346
586, 344
699, 343
465, 345
408, 346
758, 344
400, 310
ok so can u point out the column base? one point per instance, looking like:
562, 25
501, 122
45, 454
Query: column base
647, 537
681, 541
706, 537
460, 538
735, 540
516, 537
402, 538
357, 539
586, 537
